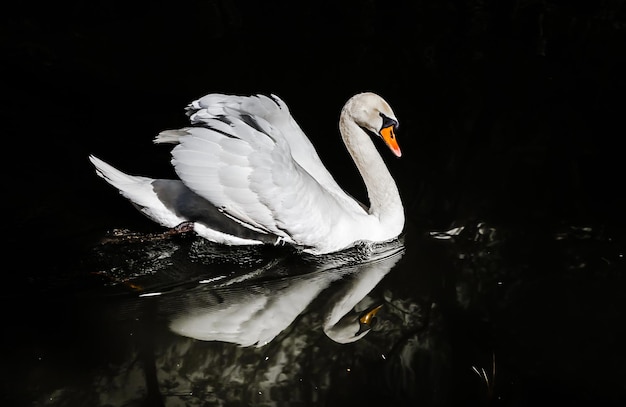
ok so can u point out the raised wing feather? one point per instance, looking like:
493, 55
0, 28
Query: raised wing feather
245, 167
266, 110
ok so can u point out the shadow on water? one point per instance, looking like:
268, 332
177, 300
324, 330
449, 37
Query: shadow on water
268, 320
259, 297
476, 315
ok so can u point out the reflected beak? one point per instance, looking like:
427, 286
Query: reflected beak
389, 136
367, 317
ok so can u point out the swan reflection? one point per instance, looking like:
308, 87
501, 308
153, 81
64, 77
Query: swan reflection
252, 312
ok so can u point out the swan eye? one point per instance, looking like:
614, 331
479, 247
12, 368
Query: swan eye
388, 121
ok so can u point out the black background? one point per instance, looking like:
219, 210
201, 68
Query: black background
510, 111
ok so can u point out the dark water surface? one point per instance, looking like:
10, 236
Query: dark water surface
507, 287
489, 315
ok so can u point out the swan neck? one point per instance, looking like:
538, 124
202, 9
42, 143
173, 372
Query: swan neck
381, 188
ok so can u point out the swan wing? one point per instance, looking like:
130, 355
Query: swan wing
274, 111
244, 166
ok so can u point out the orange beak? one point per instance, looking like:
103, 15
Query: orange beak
389, 136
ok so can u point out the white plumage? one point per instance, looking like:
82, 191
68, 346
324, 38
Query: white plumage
249, 175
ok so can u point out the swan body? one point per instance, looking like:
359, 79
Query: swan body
249, 175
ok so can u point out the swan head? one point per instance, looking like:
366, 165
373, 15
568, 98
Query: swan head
374, 115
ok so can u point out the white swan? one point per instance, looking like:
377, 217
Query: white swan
249, 175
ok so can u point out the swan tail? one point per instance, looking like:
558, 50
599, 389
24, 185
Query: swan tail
140, 191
